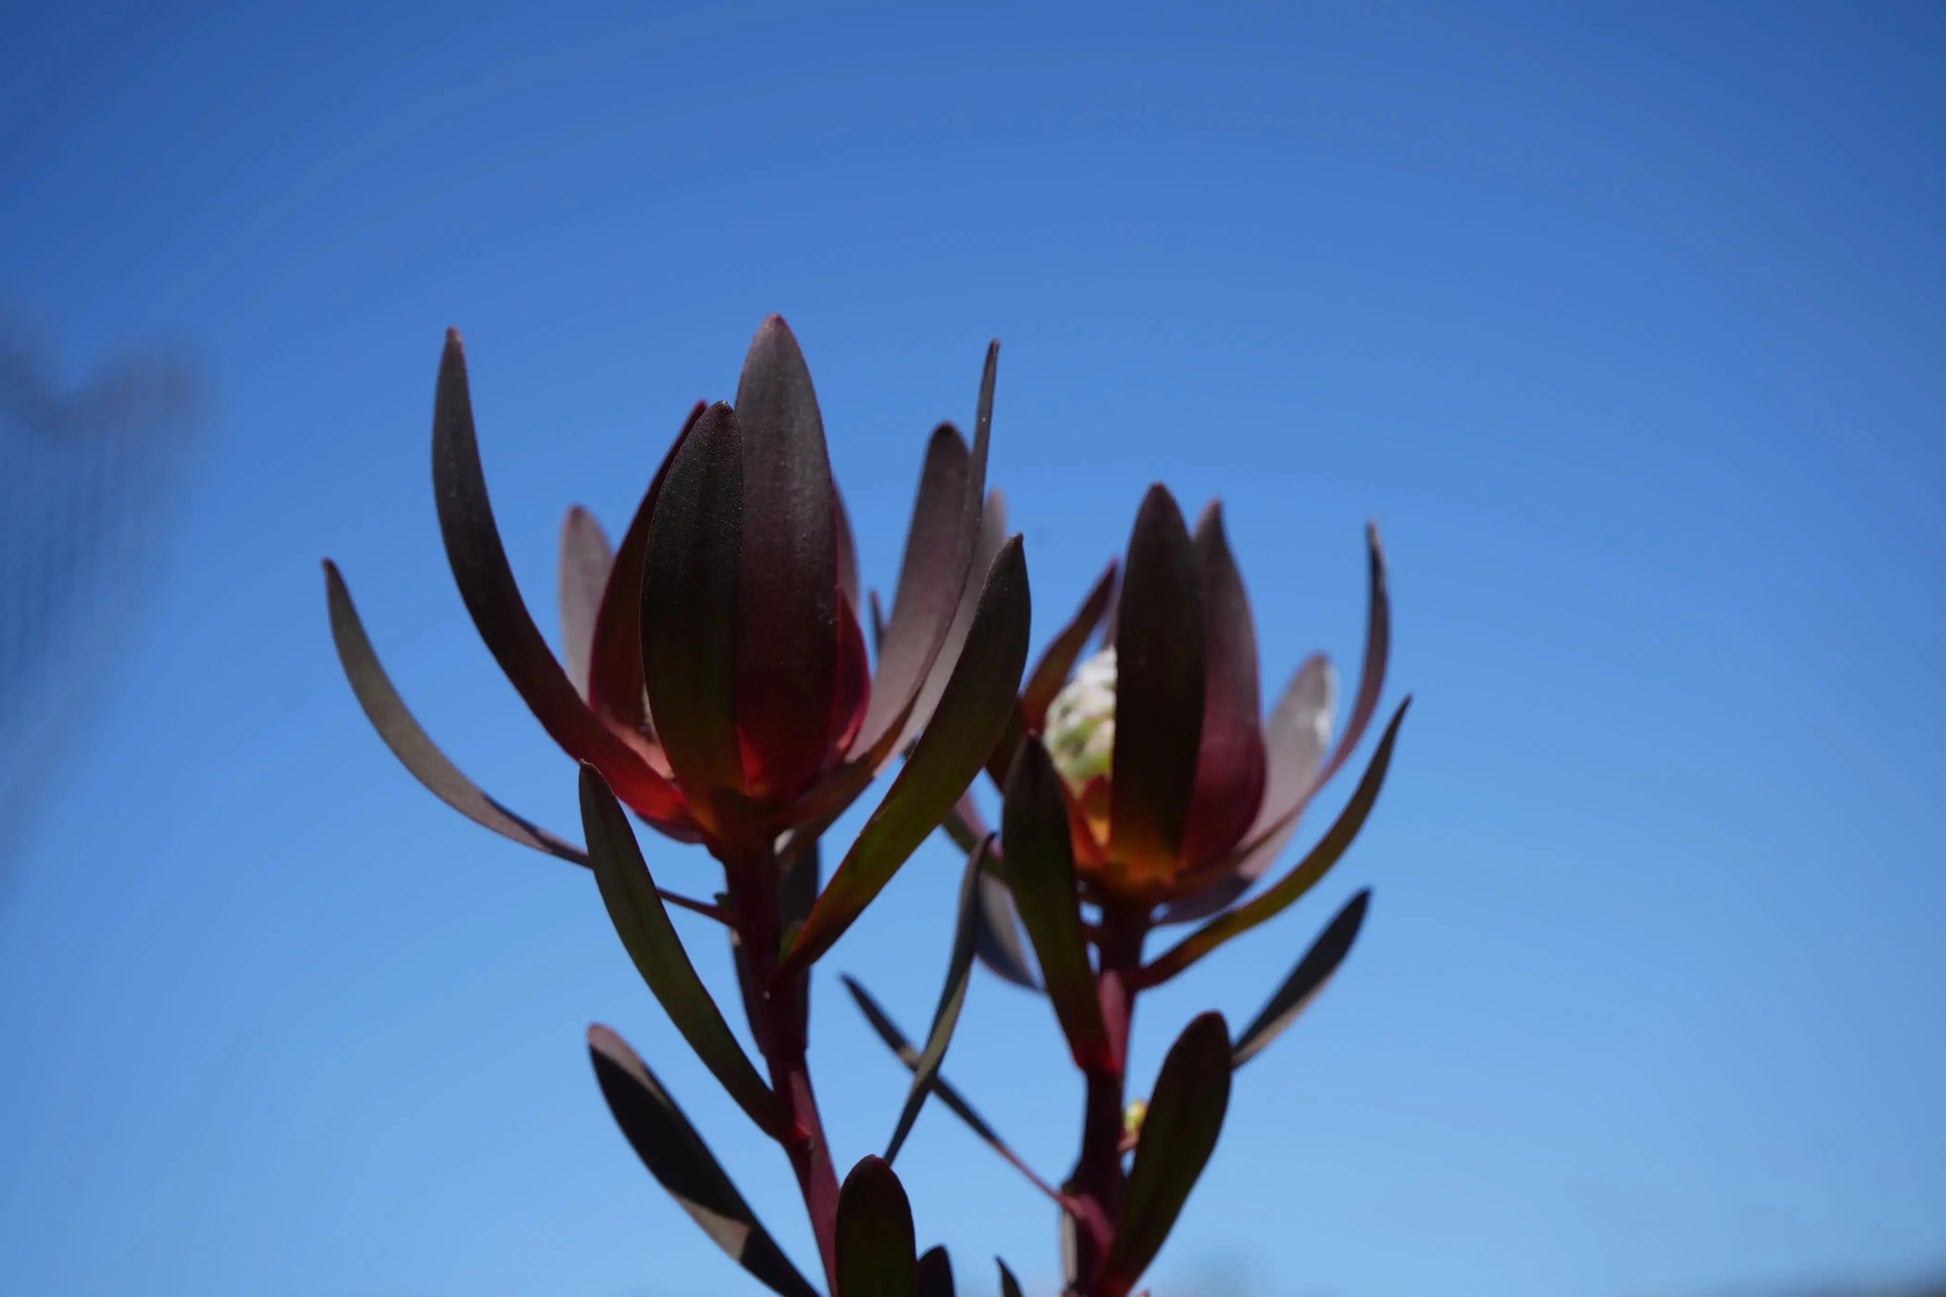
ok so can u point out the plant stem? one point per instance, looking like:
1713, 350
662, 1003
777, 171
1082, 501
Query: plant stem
778, 1017
1097, 1178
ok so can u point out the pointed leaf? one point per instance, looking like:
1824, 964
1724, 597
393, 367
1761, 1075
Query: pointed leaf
1230, 759
585, 561
650, 939
971, 714
486, 583
786, 640
1319, 965
690, 569
1051, 672
615, 686
942, 1089
1378, 651
935, 1274
683, 1165
387, 712
875, 1248
1273, 901
1159, 667
993, 535
1009, 1286
1178, 1135
1035, 839
952, 996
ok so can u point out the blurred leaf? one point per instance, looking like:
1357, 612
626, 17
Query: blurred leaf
935, 1274
682, 1164
651, 941
874, 1236
1178, 1135
1159, 687
1306, 980
1009, 1286
1034, 836
959, 968
942, 763
1272, 902
1378, 652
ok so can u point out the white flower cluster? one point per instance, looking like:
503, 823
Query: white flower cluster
1080, 728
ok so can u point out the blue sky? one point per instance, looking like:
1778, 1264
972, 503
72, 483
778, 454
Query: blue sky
1626, 327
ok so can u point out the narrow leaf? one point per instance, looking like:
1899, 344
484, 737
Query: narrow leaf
1317, 967
683, 1165
875, 1248
972, 711
1275, 899
394, 721
1009, 1286
1159, 683
643, 925
1230, 759
942, 1089
1034, 837
1178, 1135
952, 996
585, 561
935, 1274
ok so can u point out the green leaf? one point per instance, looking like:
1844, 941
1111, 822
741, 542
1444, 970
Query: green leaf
959, 968
935, 1274
1034, 837
875, 1249
1178, 1135
1273, 901
1306, 980
682, 1164
643, 924
972, 711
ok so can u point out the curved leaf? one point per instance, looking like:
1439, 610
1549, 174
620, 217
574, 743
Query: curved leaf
690, 574
1317, 967
1159, 684
1178, 1135
1229, 783
585, 562
952, 996
986, 547
643, 925
394, 721
1378, 651
1035, 838
942, 763
1272, 902
875, 1248
935, 1274
486, 583
1009, 1286
786, 638
683, 1165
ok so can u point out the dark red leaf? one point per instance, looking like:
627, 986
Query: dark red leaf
1230, 759
585, 561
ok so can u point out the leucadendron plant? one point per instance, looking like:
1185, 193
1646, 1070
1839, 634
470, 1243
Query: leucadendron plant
1143, 790
716, 684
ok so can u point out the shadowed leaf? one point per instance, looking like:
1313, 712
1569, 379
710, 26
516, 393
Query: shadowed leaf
683, 1165
643, 925
935, 1274
1178, 1135
486, 583
992, 536
875, 1248
1230, 759
1009, 1286
1051, 672
1273, 901
1306, 980
952, 996
690, 572
1159, 670
972, 711
1034, 837
1378, 651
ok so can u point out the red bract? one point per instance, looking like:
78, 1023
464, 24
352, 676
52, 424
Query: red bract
716, 675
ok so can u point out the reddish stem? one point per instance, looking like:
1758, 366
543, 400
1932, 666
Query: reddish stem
1097, 1179
778, 1014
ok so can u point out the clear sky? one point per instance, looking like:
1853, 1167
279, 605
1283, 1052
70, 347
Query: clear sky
1627, 327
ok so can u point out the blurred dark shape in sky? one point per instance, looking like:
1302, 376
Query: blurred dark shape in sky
90, 467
